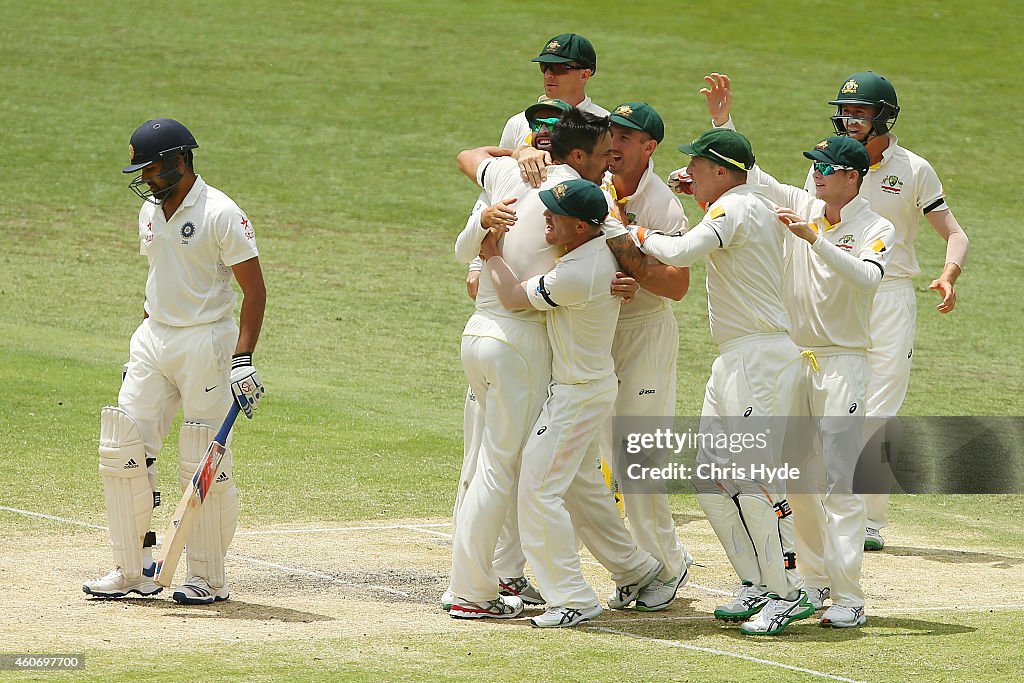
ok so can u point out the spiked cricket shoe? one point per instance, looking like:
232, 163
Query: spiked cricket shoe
660, 594
777, 614
818, 596
502, 607
562, 617
746, 602
873, 539
117, 585
447, 598
521, 587
841, 616
625, 595
196, 591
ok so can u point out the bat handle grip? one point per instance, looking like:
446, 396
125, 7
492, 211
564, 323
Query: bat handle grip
229, 422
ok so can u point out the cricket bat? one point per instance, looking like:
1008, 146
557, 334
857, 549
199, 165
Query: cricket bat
187, 511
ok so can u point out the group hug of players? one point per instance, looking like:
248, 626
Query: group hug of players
576, 249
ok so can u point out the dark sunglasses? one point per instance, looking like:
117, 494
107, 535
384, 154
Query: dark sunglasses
537, 124
559, 69
828, 169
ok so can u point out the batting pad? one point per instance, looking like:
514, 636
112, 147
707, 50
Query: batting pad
218, 517
770, 524
723, 514
126, 487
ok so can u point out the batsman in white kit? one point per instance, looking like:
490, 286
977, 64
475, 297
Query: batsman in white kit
753, 381
188, 351
559, 488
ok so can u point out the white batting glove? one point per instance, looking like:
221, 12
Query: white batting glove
246, 385
639, 235
680, 181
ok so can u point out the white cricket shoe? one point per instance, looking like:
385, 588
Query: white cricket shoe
561, 617
625, 595
777, 614
502, 607
873, 539
746, 602
447, 598
521, 587
818, 596
196, 591
660, 594
117, 585
841, 616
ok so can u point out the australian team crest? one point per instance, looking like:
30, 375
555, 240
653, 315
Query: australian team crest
131, 152
188, 231
624, 110
849, 87
822, 145
553, 46
558, 190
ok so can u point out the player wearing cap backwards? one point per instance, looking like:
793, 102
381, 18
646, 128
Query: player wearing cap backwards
646, 342
558, 483
509, 561
900, 186
507, 358
753, 380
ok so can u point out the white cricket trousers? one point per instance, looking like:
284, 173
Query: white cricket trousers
171, 366
645, 350
559, 488
893, 326
508, 373
829, 523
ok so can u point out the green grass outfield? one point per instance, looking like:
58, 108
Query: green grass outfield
335, 126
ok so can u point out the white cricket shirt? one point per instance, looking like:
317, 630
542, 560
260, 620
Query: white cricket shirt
582, 312
190, 256
523, 247
901, 188
738, 235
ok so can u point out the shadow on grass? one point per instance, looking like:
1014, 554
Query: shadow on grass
229, 609
689, 625
953, 556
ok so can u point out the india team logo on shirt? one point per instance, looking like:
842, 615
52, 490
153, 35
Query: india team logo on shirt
892, 184
188, 231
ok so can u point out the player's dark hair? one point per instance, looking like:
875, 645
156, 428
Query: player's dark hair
577, 129
188, 159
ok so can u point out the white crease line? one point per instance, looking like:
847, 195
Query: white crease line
723, 653
40, 515
327, 530
314, 574
706, 589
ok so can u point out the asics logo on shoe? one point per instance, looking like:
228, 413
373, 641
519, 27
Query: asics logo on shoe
569, 614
